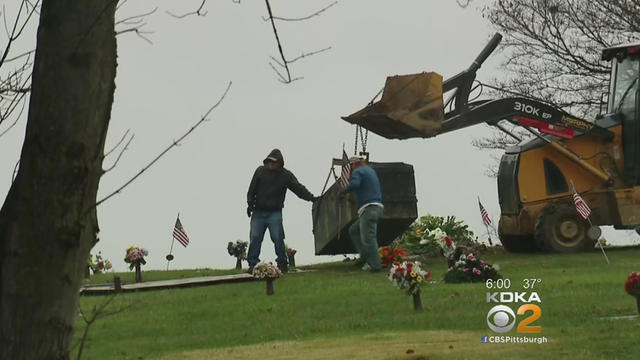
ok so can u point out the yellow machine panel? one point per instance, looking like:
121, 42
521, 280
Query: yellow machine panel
605, 156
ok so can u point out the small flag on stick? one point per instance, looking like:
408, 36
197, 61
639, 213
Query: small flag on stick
584, 211
485, 215
486, 220
581, 206
346, 171
179, 233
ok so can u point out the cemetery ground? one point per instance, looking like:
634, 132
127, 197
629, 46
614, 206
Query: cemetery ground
341, 312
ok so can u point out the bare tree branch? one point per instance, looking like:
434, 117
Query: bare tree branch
281, 77
197, 12
171, 146
553, 47
141, 34
136, 19
15, 84
117, 144
97, 313
135, 24
17, 57
285, 75
18, 26
286, 79
126, 146
317, 13
303, 55
552, 50
12, 106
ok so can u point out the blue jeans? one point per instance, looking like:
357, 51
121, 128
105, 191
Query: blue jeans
260, 222
364, 235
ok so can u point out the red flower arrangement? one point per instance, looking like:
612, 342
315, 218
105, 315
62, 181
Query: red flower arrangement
632, 286
408, 276
389, 255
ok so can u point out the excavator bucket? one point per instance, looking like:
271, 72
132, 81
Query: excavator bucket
411, 106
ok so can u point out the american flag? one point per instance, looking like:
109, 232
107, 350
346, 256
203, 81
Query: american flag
179, 233
581, 205
346, 171
485, 215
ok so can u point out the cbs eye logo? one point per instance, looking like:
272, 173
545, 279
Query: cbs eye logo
501, 319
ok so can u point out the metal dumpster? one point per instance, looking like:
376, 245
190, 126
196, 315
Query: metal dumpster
332, 216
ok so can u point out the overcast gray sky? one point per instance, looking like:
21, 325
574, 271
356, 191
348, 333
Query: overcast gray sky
162, 89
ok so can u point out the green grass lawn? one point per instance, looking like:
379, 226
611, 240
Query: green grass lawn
339, 312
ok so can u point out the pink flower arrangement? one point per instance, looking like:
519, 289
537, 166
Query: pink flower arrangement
135, 255
469, 268
98, 264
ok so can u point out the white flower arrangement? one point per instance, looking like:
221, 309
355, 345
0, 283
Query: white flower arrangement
442, 239
436, 234
266, 271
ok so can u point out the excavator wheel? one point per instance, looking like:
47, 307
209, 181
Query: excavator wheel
516, 243
560, 229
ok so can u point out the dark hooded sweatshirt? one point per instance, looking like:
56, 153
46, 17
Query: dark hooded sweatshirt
268, 187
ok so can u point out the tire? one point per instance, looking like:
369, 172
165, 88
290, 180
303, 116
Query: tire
538, 234
516, 243
559, 229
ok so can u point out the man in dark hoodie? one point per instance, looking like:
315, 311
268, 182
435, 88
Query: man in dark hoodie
265, 200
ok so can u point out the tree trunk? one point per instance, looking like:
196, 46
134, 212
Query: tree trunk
48, 222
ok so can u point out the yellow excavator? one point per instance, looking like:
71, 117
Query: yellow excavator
536, 179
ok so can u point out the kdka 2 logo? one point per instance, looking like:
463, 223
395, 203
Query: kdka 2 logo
501, 318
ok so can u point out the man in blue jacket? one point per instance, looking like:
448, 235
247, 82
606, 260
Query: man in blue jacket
265, 200
364, 231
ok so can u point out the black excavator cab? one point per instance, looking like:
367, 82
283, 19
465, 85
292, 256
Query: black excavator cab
624, 104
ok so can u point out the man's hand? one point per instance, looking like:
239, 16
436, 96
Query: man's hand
249, 210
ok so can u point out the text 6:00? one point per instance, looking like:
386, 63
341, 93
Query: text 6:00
498, 284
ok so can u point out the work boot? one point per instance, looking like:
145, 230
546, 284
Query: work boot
359, 262
368, 268
250, 270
